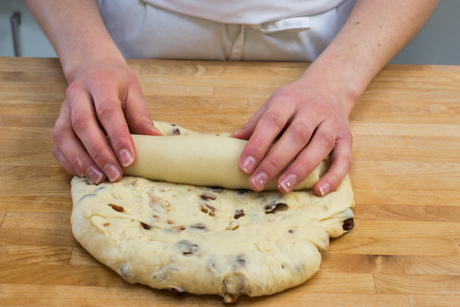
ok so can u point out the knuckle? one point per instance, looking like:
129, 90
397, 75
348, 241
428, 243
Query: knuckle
300, 132
327, 138
334, 179
347, 163
120, 139
318, 106
106, 110
305, 166
79, 122
274, 163
345, 137
274, 119
97, 77
97, 154
58, 136
344, 158
72, 89
256, 148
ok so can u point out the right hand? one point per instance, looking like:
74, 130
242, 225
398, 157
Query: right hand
103, 97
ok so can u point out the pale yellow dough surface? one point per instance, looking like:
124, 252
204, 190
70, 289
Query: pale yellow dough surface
182, 156
206, 240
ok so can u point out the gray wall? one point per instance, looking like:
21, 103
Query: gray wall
437, 43
33, 41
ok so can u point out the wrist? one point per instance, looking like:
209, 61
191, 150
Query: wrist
75, 63
337, 79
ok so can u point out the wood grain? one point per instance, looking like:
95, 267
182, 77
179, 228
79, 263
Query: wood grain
37, 237
2, 216
396, 246
434, 301
417, 284
404, 250
37, 220
390, 264
22, 294
37, 255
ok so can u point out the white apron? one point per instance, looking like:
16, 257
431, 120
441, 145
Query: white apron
256, 30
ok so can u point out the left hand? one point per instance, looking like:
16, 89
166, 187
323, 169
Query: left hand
313, 119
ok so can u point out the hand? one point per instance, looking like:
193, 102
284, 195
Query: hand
103, 97
313, 119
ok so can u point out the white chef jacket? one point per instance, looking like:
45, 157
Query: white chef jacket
257, 30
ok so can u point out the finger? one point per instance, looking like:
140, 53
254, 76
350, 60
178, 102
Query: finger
267, 129
246, 131
110, 115
137, 114
294, 139
71, 148
340, 166
86, 127
59, 156
319, 147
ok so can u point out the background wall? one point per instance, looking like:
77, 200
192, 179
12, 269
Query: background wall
33, 41
437, 43
439, 40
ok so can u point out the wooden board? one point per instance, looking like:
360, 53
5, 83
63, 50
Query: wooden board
404, 250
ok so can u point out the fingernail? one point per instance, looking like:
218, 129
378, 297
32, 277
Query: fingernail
248, 164
78, 173
236, 132
126, 157
288, 182
324, 188
94, 174
260, 180
112, 172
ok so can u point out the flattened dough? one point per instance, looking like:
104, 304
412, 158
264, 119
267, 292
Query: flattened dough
208, 240
182, 156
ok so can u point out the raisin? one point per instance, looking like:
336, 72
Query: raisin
117, 208
273, 207
238, 214
106, 224
230, 298
217, 189
187, 248
145, 226
348, 224
241, 192
240, 260
207, 197
176, 290
199, 226
175, 132
208, 209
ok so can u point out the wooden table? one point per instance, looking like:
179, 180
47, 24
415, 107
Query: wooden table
404, 250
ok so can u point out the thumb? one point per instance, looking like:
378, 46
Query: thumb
137, 115
246, 131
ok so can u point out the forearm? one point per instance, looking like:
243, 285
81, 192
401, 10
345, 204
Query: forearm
76, 30
374, 32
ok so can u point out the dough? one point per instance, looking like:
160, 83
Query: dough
182, 156
208, 240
